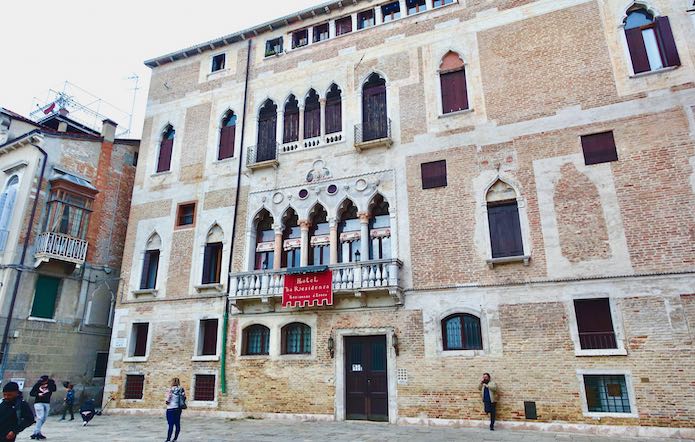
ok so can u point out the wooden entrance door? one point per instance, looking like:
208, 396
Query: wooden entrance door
366, 380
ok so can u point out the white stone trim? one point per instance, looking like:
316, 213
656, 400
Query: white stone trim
484, 333
204, 404
198, 347
128, 357
606, 371
616, 318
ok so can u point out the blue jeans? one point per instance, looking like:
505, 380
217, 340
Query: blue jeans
174, 420
41, 411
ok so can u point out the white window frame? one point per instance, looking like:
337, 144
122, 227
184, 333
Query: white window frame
212, 57
198, 349
633, 414
131, 342
616, 318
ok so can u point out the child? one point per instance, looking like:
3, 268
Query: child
87, 411
69, 401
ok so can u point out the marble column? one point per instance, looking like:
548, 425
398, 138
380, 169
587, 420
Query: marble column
364, 236
277, 252
304, 252
333, 225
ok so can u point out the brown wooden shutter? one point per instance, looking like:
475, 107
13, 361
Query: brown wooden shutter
668, 43
447, 93
374, 114
454, 93
291, 127
209, 337
141, 331
505, 230
145, 270
638, 52
227, 135
312, 122
433, 174
283, 339
164, 161
599, 148
593, 315
334, 119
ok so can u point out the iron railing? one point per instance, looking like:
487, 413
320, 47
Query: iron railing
261, 154
597, 340
372, 131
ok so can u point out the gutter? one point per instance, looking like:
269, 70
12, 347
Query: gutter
20, 267
225, 321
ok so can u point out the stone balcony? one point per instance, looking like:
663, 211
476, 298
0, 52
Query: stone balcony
354, 278
373, 135
61, 247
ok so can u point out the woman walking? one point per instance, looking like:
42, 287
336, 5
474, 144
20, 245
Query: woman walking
176, 401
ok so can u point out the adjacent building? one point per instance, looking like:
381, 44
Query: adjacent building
354, 211
63, 215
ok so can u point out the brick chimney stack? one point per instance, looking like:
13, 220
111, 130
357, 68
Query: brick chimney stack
108, 130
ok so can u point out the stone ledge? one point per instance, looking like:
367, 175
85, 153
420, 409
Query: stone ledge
508, 259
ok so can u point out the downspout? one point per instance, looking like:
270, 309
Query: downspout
25, 247
225, 320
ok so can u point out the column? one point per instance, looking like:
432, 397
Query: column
331, 29
378, 15
279, 125
429, 4
301, 124
277, 252
333, 225
322, 104
354, 22
304, 227
404, 8
364, 236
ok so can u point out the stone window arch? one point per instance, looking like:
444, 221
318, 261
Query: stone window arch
296, 338
452, 81
312, 115
150, 264
333, 112
649, 39
291, 240
266, 146
227, 135
166, 149
319, 236
348, 231
212, 255
379, 228
375, 121
506, 240
461, 331
255, 340
265, 241
291, 120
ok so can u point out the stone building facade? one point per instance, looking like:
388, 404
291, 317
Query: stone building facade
61, 243
491, 186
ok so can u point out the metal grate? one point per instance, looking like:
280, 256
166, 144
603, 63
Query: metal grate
402, 376
134, 384
607, 393
204, 389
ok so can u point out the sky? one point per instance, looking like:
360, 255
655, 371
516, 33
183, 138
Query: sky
98, 45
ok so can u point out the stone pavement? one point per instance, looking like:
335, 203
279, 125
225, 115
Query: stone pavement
148, 428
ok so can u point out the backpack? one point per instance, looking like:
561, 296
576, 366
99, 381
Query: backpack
182, 400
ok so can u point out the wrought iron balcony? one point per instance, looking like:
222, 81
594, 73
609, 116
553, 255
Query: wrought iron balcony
62, 247
262, 156
373, 134
348, 278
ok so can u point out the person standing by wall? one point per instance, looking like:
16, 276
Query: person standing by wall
489, 391
176, 402
42, 391
15, 413
69, 402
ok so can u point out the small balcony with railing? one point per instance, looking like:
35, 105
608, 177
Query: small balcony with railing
372, 134
263, 155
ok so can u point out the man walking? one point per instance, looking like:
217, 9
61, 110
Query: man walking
15, 413
42, 391
489, 391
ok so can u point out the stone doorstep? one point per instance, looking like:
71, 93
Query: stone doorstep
554, 427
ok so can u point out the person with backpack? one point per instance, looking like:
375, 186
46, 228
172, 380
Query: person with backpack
69, 402
42, 391
176, 401
15, 413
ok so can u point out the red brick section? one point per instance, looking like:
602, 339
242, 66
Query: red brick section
98, 217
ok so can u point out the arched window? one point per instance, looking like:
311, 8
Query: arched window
319, 237
150, 264
212, 256
227, 136
348, 232
452, 77
166, 147
503, 219
649, 40
291, 123
334, 115
7, 200
256, 340
374, 114
379, 229
265, 241
296, 339
461, 331
291, 240
267, 132
312, 115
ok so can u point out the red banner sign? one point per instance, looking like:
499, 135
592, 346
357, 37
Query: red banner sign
311, 289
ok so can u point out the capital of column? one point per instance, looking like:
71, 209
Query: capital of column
364, 217
278, 229
304, 224
333, 223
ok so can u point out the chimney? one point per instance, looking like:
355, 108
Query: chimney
108, 130
64, 112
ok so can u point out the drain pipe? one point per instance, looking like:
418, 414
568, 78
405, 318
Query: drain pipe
225, 320
25, 247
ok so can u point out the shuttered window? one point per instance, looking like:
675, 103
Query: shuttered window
343, 25
45, 297
374, 113
505, 230
312, 116
204, 387
134, 384
166, 148
599, 148
462, 332
150, 265
433, 174
595, 324
334, 115
291, 122
212, 263
650, 41
208, 330
454, 93
267, 129
139, 337
227, 137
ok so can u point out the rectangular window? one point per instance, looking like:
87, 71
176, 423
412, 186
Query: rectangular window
212, 263
218, 62
438, 3
45, 297
595, 324
185, 215
204, 389
415, 6
300, 38
505, 230
273, 47
150, 265
321, 32
454, 91
599, 148
606, 394
138, 339
391, 11
208, 337
134, 384
101, 364
343, 25
433, 174
365, 19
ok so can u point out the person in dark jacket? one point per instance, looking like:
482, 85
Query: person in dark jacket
489, 392
87, 411
69, 402
42, 391
15, 413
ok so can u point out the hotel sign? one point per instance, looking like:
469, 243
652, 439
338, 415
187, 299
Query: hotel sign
308, 289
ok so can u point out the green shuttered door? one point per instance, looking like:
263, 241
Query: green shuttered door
45, 297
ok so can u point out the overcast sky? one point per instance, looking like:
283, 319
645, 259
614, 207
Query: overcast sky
98, 45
